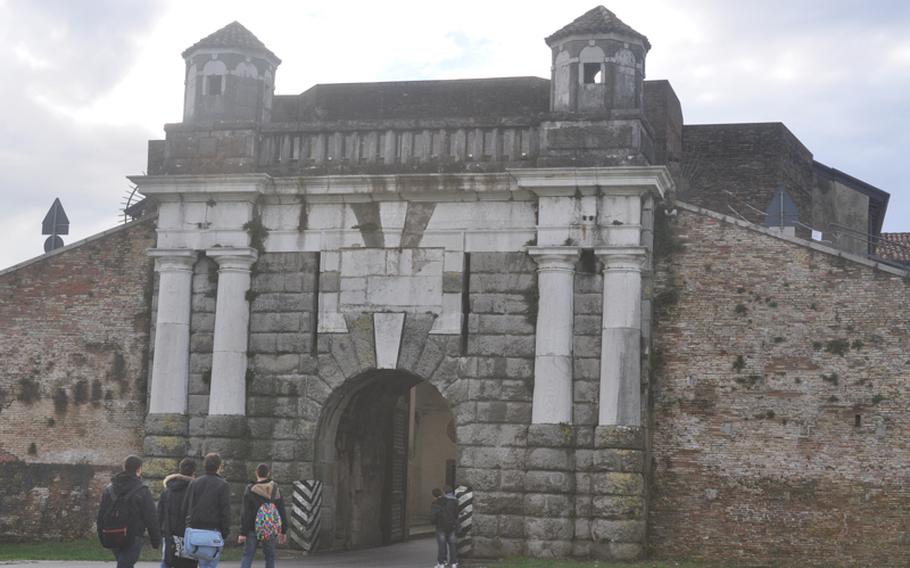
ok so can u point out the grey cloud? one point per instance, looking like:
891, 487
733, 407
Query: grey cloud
45, 154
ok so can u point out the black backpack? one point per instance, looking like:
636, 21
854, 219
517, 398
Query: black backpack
115, 522
450, 514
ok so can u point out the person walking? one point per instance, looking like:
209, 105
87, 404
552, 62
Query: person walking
444, 514
127, 511
208, 502
172, 515
262, 518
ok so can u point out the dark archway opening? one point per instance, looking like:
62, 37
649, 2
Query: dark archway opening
385, 440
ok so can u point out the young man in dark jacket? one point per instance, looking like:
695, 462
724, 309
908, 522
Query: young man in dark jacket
444, 514
208, 502
172, 513
140, 511
260, 492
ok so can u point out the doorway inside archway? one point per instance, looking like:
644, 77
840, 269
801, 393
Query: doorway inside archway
385, 440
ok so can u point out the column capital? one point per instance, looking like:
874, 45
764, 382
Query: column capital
173, 260
555, 257
621, 259
231, 258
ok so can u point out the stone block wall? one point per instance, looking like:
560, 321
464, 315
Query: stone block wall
492, 433
544, 490
49, 501
282, 376
780, 403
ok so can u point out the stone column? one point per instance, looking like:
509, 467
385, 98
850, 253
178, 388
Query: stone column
620, 351
170, 366
552, 403
232, 316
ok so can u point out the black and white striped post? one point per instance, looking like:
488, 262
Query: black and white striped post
306, 514
465, 497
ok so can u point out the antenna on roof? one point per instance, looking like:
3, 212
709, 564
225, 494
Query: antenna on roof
55, 223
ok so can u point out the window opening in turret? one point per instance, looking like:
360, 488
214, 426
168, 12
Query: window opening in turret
213, 85
592, 74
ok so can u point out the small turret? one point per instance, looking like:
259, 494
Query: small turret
598, 65
230, 77
597, 95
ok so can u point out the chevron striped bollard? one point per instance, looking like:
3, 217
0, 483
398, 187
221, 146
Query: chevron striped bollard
306, 515
465, 497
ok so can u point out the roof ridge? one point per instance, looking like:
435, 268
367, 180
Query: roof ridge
597, 20
233, 35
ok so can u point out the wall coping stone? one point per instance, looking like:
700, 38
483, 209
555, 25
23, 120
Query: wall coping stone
77, 244
816, 246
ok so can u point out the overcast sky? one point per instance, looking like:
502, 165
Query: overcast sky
85, 83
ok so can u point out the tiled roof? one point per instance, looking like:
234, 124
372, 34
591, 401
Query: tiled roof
232, 35
894, 247
598, 20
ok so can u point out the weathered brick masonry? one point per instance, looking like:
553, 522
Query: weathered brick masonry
74, 332
780, 403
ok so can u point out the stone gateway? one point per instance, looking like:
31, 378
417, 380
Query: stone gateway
526, 287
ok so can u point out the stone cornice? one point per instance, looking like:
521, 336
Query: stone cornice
202, 187
623, 180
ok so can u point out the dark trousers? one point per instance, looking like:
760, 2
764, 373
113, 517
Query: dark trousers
128, 555
446, 540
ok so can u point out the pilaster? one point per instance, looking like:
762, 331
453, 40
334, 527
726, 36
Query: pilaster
552, 402
232, 317
170, 365
620, 357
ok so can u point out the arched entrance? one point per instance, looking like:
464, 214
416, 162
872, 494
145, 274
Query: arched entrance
385, 439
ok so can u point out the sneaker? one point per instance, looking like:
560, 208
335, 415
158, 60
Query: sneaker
438, 565
454, 565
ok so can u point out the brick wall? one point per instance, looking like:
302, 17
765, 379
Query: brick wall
73, 368
780, 403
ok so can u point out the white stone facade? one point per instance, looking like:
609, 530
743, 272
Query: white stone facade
563, 210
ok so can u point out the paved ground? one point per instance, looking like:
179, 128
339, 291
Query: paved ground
413, 554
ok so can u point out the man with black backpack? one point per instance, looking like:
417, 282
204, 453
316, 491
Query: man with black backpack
172, 514
262, 518
444, 514
127, 511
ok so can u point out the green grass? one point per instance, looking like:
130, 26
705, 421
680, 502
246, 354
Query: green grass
544, 563
88, 549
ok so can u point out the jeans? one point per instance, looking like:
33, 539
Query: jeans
209, 563
446, 539
128, 555
249, 551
